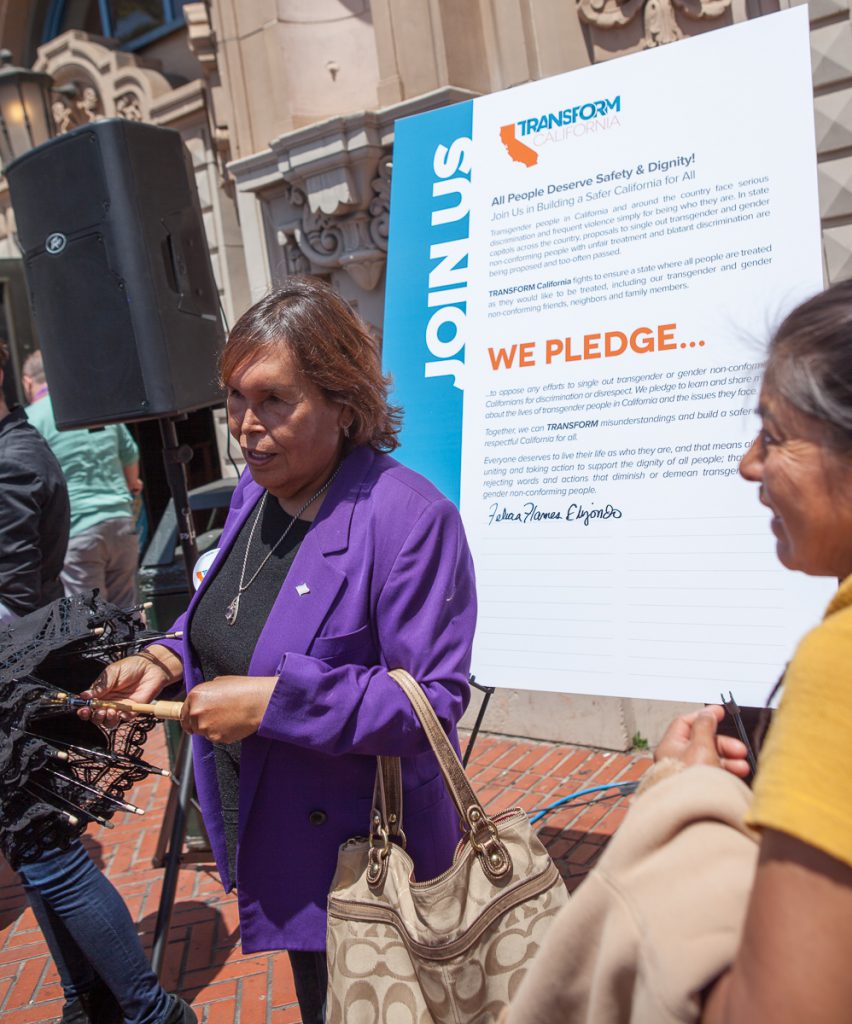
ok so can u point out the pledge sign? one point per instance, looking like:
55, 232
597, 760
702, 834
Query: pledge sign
581, 277
591, 346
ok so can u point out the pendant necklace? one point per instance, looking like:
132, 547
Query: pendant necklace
233, 608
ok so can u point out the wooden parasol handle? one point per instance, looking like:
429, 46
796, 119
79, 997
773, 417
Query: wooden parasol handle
169, 709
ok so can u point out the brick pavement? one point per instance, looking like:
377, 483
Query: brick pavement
203, 960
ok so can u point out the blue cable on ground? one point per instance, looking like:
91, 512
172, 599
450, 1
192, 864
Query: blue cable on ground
626, 789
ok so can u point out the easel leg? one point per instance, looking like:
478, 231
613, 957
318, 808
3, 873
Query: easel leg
175, 456
488, 691
184, 790
159, 858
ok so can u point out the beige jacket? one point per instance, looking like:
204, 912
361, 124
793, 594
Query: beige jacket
660, 916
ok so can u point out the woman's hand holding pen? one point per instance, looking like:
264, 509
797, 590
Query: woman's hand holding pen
693, 739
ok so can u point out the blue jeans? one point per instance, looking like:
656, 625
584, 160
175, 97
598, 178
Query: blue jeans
90, 933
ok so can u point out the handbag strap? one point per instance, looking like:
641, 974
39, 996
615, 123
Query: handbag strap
387, 797
481, 830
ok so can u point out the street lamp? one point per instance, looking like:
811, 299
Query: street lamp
26, 119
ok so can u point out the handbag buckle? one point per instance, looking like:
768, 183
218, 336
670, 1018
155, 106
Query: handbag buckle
398, 833
376, 861
379, 849
480, 847
492, 854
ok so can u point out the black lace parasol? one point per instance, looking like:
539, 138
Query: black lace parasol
57, 772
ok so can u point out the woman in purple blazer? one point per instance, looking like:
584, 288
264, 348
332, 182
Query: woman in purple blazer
336, 564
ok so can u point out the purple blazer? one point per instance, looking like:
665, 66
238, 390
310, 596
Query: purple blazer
390, 584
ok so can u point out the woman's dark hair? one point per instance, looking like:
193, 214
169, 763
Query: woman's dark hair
810, 361
4, 353
331, 347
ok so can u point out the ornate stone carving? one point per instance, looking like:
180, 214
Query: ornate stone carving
380, 205
90, 104
315, 233
295, 261
95, 80
660, 24
318, 200
608, 13
334, 212
658, 16
76, 104
63, 116
313, 241
128, 105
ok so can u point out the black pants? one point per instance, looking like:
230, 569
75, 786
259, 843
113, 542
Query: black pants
310, 975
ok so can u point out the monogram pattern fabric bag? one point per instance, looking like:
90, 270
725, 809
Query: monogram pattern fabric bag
452, 950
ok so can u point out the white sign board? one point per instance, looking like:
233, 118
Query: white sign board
633, 232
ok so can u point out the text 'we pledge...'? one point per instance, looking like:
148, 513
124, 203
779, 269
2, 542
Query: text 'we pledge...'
600, 345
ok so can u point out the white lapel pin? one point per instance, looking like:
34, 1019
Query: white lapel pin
303, 589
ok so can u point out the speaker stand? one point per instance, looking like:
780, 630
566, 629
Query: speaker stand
176, 456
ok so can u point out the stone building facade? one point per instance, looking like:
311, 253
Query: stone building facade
288, 109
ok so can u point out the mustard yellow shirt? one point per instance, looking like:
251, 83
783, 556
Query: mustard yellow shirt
804, 781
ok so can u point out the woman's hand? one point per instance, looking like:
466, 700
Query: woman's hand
140, 677
228, 708
692, 739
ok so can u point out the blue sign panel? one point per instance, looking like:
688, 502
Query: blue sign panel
426, 295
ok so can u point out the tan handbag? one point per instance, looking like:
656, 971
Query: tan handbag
453, 949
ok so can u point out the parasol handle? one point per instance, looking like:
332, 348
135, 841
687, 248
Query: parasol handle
169, 709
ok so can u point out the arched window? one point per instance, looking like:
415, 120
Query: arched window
134, 23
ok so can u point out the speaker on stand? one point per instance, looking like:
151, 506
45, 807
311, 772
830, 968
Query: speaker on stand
127, 312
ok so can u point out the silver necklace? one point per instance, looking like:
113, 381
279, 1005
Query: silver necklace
233, 608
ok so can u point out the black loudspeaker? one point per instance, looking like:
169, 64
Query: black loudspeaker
122, 292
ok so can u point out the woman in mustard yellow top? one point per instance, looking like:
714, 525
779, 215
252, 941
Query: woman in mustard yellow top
795, 958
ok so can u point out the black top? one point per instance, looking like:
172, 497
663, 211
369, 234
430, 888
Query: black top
226, 650
35, 517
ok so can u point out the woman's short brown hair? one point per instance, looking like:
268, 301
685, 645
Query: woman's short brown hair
331, 346
810, 361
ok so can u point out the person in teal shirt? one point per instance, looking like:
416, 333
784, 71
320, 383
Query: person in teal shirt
102, 470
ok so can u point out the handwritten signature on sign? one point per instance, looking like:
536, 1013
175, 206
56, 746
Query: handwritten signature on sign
529, 512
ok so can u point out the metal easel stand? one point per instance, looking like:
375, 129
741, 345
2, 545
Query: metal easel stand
175, 456
174, 828
488, 691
